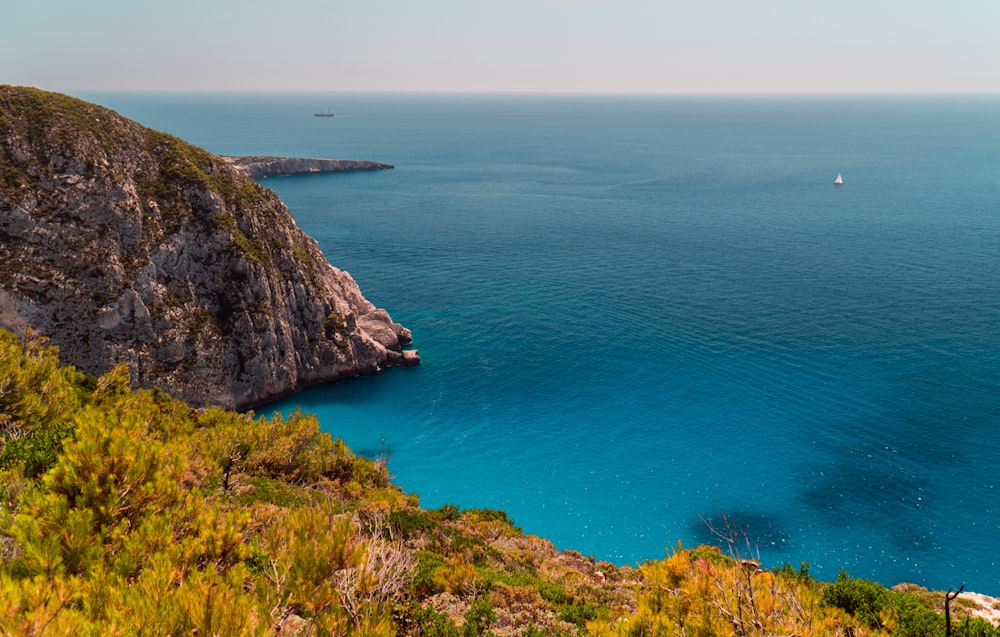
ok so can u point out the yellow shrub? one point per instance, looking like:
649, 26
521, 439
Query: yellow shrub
458, 576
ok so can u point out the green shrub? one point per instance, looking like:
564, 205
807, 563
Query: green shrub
478, 619
553, 593
801, 575
110, 483
428, 562
875, 605
480, 551
578, 614
975, 627
270, 491
36, 394
489, 577
36, 452
861, 598
479, 516
447, 513
410, 523
912, 618
427, 622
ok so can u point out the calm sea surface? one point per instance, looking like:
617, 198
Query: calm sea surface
636, 314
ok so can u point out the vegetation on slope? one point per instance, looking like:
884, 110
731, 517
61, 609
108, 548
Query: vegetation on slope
130, 513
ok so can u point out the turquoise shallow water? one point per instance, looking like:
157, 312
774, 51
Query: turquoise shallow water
638, 313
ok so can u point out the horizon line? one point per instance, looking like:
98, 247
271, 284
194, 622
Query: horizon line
473, 92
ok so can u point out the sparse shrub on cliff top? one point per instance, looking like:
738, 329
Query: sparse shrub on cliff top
861, 598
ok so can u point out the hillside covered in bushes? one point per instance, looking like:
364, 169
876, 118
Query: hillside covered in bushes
131, 513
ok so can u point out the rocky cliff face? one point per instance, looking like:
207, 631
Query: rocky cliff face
121, 243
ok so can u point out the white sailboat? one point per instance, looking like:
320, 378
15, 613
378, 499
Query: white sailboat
839, 180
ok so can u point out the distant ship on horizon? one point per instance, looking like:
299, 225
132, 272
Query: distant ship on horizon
324, 114
839, 181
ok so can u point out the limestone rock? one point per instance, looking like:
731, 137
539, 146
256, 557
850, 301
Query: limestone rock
258, 167
121, 243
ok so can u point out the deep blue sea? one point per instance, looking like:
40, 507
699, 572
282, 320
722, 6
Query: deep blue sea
639, 313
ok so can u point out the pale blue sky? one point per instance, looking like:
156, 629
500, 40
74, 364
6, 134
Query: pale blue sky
622, 46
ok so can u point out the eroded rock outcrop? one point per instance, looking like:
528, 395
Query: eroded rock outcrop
121, 243
259, 167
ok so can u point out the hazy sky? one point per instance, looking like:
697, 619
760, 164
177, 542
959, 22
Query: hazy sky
633, 46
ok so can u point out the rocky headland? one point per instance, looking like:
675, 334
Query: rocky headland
121, 243
260, 167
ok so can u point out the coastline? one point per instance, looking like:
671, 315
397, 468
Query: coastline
259, 167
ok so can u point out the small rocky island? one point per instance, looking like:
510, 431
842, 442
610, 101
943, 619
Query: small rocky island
119, 243
259, 167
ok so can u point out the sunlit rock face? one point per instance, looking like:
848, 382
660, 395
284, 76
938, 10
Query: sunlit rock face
120, 243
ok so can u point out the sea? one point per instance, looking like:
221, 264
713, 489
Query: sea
653, 321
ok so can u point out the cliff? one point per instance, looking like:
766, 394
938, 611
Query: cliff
120, 243
258, 167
